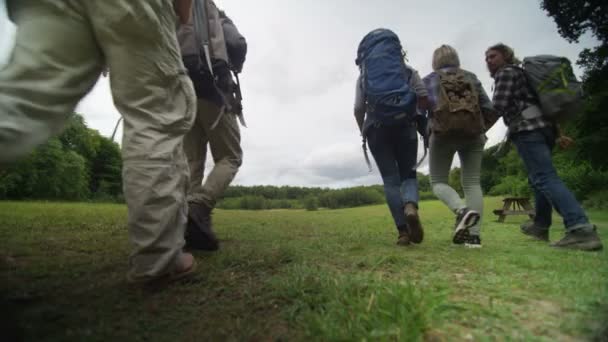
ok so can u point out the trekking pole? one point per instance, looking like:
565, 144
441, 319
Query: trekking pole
116, 127
239, 99
364, 146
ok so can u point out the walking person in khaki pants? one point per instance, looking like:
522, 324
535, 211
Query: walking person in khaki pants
224, 141
216, 125
61, 49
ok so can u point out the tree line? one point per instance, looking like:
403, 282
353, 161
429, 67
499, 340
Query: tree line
81, 164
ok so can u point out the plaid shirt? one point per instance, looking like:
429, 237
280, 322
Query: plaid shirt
512, 95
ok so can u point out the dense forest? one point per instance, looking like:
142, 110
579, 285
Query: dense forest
80, 164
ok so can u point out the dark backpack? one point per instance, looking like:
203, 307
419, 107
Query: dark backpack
559, 93
385, 78
236, 45
211, 48
457, 111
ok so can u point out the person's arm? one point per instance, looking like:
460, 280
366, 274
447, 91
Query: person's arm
359, 105
485, 104
503, 90
183, 9
422, 94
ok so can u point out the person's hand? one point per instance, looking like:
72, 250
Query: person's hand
423, 103
565, 142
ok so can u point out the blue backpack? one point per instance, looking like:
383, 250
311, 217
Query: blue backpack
385, 78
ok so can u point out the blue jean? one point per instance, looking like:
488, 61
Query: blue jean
395, 149
534, 148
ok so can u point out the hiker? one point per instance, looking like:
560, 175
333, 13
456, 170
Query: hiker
60, 52
534, 137
215, 127
459, 105
387, 123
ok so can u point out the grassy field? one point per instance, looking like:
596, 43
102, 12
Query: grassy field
298, 276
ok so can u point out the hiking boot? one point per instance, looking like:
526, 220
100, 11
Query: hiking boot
413, 222
465, 219
532, 229
199, 231
184, 268
473, 241
580, 240
404, 238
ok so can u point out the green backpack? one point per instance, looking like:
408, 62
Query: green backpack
559, 92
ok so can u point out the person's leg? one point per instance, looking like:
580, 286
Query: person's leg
195, 147
471, 155
405, 142
55, 63
225, 145
441, 154
152, 91
383, 153
538, 228
470, 164
543, 210
534, 147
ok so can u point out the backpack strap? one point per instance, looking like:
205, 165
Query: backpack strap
201, 30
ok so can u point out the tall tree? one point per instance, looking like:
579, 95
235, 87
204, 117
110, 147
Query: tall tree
575, 18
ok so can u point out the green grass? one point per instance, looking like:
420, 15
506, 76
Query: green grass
298, 275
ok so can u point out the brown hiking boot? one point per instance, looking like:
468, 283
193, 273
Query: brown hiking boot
413, 221
199, 231
404, 238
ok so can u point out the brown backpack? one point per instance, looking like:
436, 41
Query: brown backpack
457, 112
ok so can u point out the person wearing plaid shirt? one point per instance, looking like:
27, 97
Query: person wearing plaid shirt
534, 138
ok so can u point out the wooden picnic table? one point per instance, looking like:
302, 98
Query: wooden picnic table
515, 206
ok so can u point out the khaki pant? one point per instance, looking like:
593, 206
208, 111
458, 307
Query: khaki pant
61, 48
225, 144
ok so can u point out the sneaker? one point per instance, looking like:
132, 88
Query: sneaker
465, 219
580, 240
473, 241
199, 231
404, 238
531, 229
413, 221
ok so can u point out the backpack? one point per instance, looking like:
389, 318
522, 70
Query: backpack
559, 92
236, 45
457, 111
385, 78
211, 47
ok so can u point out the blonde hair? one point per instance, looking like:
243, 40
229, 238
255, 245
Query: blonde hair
444, 56
507, 53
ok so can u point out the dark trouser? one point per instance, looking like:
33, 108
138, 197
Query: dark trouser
395, 149
534, 148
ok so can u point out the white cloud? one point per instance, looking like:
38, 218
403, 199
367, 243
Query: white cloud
298, 81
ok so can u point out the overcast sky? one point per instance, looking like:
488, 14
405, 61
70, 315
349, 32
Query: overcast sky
299, 78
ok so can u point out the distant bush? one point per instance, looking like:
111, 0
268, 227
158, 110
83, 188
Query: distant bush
257, 203
512, 186
350, 197
597, 200
427, 195
311, 203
